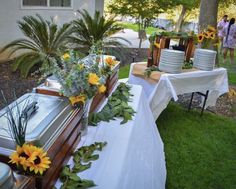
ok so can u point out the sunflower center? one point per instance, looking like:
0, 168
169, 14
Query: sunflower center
37, 161
23, 154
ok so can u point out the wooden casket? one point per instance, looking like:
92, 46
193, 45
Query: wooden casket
52, 87
55, 126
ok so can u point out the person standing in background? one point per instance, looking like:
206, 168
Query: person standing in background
220, 26
229, 41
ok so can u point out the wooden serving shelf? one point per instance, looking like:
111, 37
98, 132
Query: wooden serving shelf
164, 41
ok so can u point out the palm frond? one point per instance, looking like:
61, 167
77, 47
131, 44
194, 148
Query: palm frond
42, 38
89, 30
20, 59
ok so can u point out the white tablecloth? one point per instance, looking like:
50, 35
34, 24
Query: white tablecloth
134, 156
171, 85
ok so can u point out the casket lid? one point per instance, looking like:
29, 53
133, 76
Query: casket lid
51, 113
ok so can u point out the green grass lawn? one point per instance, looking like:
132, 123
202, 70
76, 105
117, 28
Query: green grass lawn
134, 27
230, 68
200, 151
124, 72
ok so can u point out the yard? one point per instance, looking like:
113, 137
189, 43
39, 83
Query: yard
200, 151
134, 27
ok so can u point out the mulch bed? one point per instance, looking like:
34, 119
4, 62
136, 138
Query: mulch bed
11, 82
225, 104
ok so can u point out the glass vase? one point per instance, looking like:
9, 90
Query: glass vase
84, 120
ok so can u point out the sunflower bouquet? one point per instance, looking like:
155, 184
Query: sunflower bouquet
31, 159
208, 38
80, 79
28, 158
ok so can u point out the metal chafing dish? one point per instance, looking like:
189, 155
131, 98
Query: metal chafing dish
44, 125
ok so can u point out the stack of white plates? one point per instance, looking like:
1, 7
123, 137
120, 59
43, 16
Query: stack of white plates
204, 59
171, 61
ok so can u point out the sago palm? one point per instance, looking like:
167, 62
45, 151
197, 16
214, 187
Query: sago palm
90, 30
44, 39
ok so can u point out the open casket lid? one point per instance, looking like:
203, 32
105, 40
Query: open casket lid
43, 124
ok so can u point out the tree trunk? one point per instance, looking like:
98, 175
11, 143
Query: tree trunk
208, 13
208, 16
180, 19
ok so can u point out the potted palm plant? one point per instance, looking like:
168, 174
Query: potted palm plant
89, 30
43, 39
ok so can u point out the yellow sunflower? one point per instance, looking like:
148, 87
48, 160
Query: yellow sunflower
38, 162
21, 156
102, 89
207, 35
80, 99
93, 79
66, 56
200, 37
157, 45
81, 66
110, 61
211, 29
212, 35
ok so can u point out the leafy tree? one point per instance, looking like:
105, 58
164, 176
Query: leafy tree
186, 6
89, 30
142, 10
43, 40
226, 7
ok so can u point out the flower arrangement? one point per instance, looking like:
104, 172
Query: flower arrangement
110, 62
107, 65
32, 159
28, 158
80, 79
208, 37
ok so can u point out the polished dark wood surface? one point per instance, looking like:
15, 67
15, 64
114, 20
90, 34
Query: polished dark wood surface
59, 152
47, 92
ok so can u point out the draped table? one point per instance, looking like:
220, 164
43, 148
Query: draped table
170, 85
134, 156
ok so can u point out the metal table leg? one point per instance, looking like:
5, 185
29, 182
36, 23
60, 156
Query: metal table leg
204, 102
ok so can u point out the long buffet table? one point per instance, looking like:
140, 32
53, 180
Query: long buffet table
170, 85
134, 156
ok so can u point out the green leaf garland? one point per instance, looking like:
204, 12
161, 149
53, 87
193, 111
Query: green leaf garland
117, 106
82, 161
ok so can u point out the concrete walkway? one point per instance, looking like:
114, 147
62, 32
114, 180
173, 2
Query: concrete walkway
132, 36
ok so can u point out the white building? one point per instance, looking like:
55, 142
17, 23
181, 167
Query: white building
60, 10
